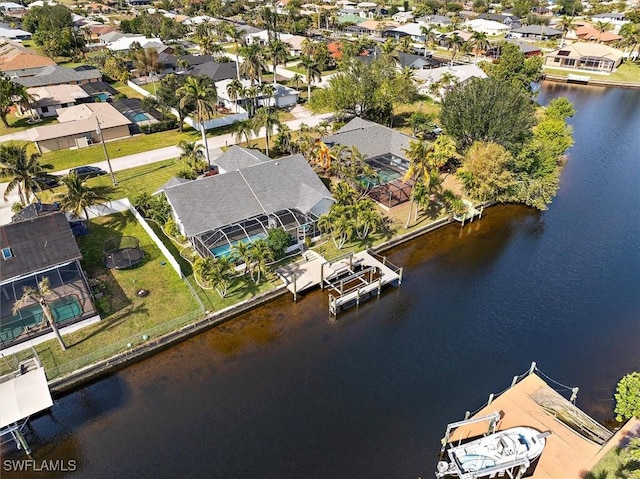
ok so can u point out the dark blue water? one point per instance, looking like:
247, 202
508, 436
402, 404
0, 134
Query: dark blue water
285, 393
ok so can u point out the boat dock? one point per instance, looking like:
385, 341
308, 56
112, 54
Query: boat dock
350, 278
470, 214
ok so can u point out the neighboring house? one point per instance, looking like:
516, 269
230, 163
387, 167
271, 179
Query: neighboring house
403, 17
536, 32
133, 109
123, 44
283, 97
260, 38
100, 91
593, 57
108, 38
528, 49
14, 33
77, 127
191, 22
214, 70
461, 73
335, 50
50, 99
509, 20
413, 30
93, 33
615, 19
57, 75
10, 7
294, 42
240, 206
237, 157
375, 28
41, 247
16, 60
350, 20
489, 27
587, 33
171, 63
403, 60
431, 20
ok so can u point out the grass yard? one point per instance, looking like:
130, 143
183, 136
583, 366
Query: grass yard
611, 466
63, 159
127, 90
20, 124
124, 314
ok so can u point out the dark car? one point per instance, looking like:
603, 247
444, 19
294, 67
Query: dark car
47, 180
85, 172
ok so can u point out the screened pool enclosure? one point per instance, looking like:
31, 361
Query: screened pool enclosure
220, 242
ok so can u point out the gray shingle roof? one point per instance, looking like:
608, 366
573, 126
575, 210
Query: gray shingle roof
537, 30
237, 157
371, 139
209, 203
56, 75
37, 244
214, 70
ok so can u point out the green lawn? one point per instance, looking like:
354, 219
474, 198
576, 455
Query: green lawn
127, 90
20, 124
609, 467
627, 72
124, 314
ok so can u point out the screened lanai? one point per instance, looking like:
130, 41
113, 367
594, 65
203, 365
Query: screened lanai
220, 242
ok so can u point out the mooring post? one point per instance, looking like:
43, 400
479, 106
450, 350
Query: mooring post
532, 368
574, 394
322, 276
379, 285
358, 297
400, 276
341, 287
515, 380
490, 399
466, 415
23, 442
351, 260
295, 289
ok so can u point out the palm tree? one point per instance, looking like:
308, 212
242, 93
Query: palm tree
253, 63
25, 99
209, 46
367, 218
145, 60
8, 96
297, 78
252, 92
241, 251
261, 254
39, 295
267, 119
79, 196
216, 272
22, 169
278, 51
406, 45
454, 42
420, 167
313, 73
200, 93
447, 79
480, 42
430, 35
268, 91
193, 155
234, 88
565, 25
630, 33
243, 128
237, 37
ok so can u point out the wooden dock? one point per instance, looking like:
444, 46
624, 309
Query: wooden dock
350, 278
469, 215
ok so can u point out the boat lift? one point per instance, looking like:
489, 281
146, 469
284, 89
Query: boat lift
23, 393
493, 419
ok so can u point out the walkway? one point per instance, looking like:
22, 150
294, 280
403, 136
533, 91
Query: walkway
303, 274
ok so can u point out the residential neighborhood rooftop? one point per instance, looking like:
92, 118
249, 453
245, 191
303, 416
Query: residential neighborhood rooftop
81, 118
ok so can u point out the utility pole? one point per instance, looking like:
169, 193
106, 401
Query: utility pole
104, 148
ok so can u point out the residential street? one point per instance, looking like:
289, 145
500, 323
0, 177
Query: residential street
215, 143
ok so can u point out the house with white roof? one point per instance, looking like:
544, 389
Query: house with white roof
123, 44
488, 27
50, 99
413, 30
403, 17
13, 33
461, 74
10, 7
586, 56
283, 96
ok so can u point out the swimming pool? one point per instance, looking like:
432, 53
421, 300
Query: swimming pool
102, 96
63, 309
225, 249
385, 175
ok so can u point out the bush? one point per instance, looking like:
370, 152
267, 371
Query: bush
164, 125
278, 240
628, 397
171, 228
187, 174
155, 207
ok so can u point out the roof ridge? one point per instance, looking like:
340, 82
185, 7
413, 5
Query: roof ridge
252, 192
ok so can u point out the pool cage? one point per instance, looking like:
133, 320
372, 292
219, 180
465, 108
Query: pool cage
390, 189
220, 242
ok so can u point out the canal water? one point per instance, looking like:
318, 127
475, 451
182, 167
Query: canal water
283, 392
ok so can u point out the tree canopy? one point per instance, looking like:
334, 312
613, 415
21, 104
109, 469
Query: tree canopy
628, 397
47, 18
514, 67
488, 110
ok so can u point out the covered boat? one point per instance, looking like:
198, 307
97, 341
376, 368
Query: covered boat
509, 452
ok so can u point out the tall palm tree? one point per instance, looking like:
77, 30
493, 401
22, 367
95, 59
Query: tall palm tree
25, 99
234, 88
430, 35
237, 37
8, 96
565, 24
252, 93
145, 60
22, 169
454, 42
312, 70
268, 91
241, 251
480, 42
200, 93
261, 254
253, 63
268, 119
420, 166
243, 128
39, 295
209, 46
297, 78
193, 155
630, 33
406, 45
79, 196
278, 52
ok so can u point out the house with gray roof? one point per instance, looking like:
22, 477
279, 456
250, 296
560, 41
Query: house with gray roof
35, 248
217, 212
237, 158
217, 71
59, 75
536, 32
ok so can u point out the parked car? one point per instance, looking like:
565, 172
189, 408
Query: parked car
48, 180
85, 172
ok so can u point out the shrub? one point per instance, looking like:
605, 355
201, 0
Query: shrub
187, 174
278, 240
628, 397
171, 228
164, 125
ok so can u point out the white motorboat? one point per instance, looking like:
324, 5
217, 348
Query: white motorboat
509, 452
